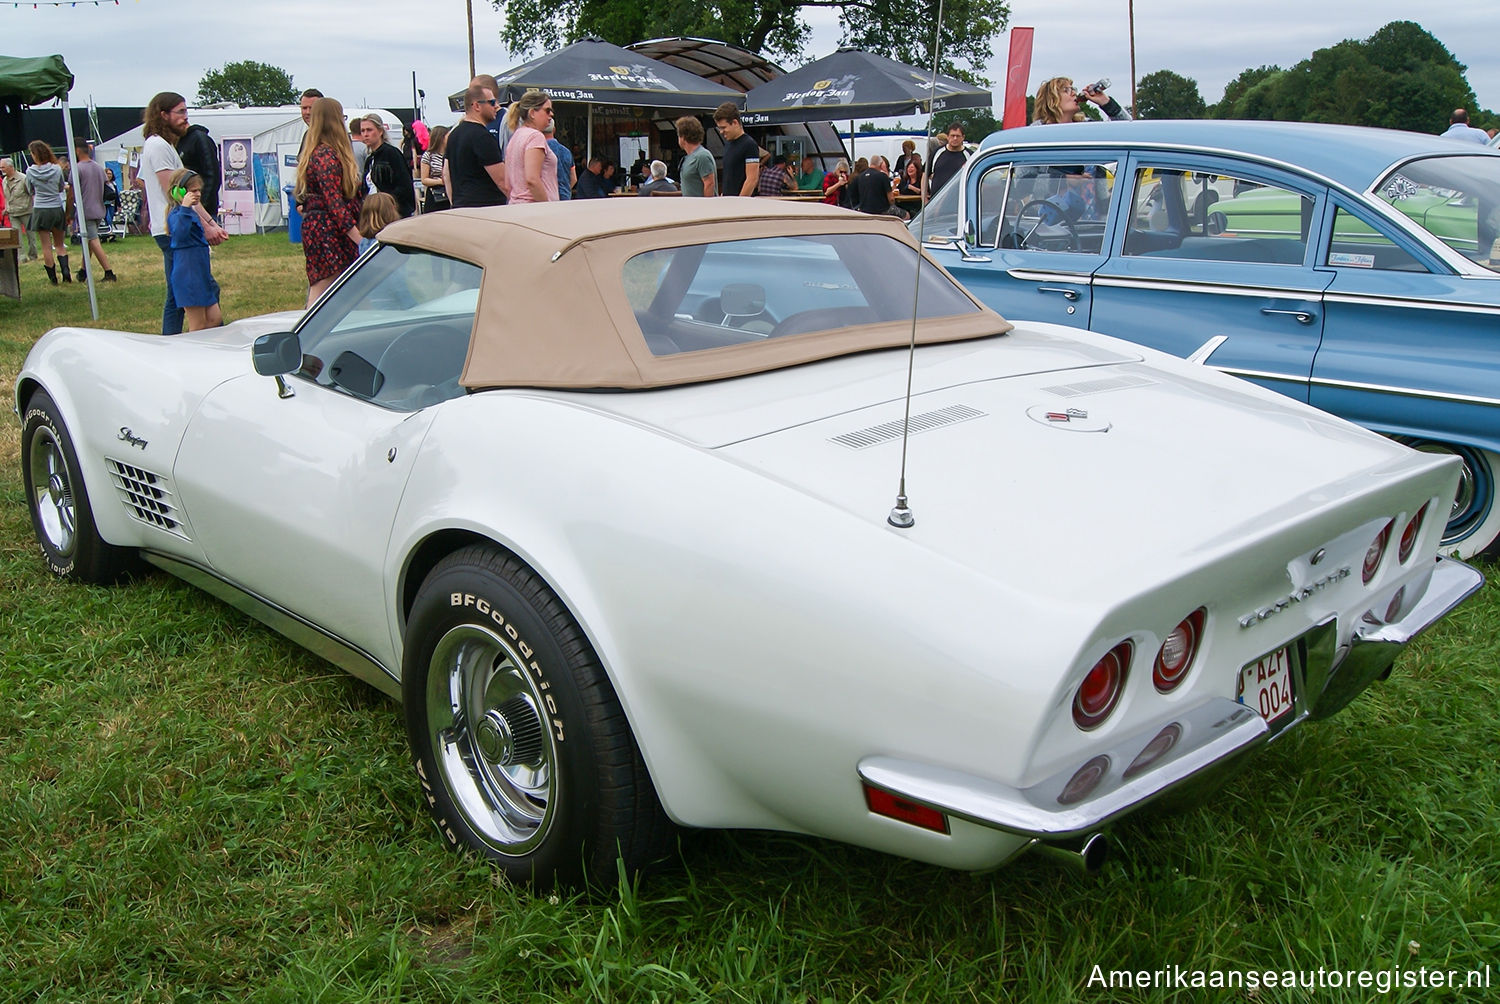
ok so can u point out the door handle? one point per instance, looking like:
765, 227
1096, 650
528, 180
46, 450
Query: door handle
1071, 294
1303, 316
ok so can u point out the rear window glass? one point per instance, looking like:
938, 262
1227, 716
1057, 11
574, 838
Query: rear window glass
706, 296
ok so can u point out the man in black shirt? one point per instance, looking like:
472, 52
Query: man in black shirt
385, 169
872, 189
472, 169
947, 162
741, 153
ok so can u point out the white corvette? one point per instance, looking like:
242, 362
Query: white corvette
611, 497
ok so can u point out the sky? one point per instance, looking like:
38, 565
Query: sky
364, 53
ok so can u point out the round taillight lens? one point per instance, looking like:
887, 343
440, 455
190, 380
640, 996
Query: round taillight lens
1177, 652
1376, 551
1393, 609
1101, 687
1410, 534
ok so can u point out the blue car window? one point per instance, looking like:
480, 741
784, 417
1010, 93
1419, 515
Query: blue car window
1356, 244
1215, 217
1047, 207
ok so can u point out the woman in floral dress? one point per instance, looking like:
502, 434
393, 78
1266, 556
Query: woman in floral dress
328, 190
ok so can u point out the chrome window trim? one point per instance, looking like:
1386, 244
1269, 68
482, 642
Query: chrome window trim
1431, 395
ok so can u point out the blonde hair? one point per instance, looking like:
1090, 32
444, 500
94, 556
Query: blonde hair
181, 178
530, 101
1047, 106
379, 209
325, 127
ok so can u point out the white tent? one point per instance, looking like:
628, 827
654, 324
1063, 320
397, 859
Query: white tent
275, 136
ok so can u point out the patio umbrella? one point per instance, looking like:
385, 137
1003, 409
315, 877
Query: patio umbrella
852, 83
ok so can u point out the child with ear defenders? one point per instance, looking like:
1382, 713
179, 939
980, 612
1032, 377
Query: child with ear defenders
193, 285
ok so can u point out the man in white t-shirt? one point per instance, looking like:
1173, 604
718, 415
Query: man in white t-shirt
163, 123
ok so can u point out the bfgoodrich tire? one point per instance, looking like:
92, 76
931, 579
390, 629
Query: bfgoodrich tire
61, 516
519, 742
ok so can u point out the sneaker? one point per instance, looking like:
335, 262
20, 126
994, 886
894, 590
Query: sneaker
110, 276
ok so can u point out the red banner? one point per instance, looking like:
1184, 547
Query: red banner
1017, 73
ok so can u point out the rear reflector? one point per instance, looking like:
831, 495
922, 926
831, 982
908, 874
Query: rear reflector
883, 803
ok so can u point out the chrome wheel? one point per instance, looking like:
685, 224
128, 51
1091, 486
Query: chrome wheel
492, 749
1474, 520
52, 492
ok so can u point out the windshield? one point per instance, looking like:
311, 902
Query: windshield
1456, 199
940, 218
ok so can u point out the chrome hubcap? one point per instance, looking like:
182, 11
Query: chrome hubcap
1475, 496
495, 756
52, 492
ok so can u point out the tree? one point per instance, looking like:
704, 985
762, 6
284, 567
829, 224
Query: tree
1168, 95
1401, 77
773, 28
248, 84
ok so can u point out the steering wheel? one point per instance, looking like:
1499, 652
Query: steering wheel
422, 357
1043, 210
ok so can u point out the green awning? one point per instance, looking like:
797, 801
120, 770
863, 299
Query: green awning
34, 79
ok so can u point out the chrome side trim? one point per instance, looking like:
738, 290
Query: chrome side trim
1261, 375
1410, 303
1217, 288
1211, 734
1378, 388
319, 642
1032, 275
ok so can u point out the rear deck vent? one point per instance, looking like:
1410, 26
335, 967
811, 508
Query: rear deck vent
1099, 386
925, 422
147, 496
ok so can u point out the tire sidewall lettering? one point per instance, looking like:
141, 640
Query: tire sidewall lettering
488, 612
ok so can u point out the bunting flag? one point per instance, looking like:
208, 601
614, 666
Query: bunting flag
34, 4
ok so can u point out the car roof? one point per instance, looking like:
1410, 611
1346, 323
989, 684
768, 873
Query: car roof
1354, 157
553, 310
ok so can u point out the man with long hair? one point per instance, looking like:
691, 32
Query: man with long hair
163, 122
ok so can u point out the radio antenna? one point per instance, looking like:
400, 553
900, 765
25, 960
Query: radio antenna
901, 515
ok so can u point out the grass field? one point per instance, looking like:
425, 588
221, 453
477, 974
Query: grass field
191, 809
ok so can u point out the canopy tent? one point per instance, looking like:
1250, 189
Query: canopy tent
30, 81
275, 135
851, 83
722, 62
595, 72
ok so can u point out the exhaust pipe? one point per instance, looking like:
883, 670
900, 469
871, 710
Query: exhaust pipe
1086, 853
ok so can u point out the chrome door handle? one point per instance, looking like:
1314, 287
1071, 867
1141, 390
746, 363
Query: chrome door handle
1301, 315
1071, 294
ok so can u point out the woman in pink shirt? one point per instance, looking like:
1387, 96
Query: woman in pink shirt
530, 164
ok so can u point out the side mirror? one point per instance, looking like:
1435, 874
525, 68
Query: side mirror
277, 353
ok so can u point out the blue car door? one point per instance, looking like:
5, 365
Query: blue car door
1038, 223
1217, 257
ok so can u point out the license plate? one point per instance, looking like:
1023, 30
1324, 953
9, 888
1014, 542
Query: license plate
1266, 685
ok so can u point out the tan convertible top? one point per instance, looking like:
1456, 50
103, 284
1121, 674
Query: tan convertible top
553, 310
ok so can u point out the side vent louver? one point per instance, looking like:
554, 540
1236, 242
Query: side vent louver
147, 496
924, 422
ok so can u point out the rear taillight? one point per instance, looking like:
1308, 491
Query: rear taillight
1101, 687
1177, 652
1377, 551
1409, 535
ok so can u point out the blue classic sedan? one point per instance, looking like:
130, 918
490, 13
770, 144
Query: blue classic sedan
1354, 269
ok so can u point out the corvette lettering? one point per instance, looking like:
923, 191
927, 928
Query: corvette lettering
1306, 592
